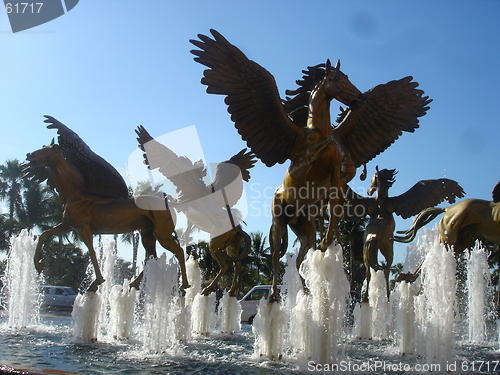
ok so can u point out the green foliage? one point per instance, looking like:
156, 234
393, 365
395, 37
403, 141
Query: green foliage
65, 264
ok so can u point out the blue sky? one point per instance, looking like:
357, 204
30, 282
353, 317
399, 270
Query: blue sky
106, 67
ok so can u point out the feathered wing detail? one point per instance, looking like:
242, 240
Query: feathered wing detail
37, 174
230, 174
252, 98
379, 117
357, 206
496, 193
425, 194
185, 175
101, 179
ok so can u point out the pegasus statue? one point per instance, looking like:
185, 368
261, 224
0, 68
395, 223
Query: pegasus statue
323, 157
207, 206
96, 201
379, 231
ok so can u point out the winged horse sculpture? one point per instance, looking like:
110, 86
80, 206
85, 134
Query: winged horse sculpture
208, 207
96, 200
323, 158
462, 223
379, 231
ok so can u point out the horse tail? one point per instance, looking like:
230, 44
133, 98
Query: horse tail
423, 218
370, 253
246, 247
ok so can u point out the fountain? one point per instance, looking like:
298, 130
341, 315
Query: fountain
22, 282
479, 296
158, 328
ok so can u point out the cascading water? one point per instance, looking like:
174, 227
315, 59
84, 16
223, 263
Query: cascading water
479, 293
436, 305
305, 330
313, 321
22, 283
163, 327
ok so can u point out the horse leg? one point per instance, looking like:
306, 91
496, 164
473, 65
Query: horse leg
387, 251
370, 251
86, 235
148, 240
305, 230
62, 228
170, 243
233, 250
278, 241
223, 268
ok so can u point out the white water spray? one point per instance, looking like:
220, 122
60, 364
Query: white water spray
163, 325
310, 324
479, 292
22, 285
436, 306
86, 312
230, 314
121, 315
203, 316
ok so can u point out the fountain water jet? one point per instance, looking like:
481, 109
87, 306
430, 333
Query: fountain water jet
22, 284
229, 312
478, 293
436, 306
310, 324
164, 327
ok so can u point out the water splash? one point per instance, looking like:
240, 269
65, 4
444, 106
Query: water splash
309, 324
230, 314
377, 295
162, 306
121, 315
203, 316
436, 306
86, 313
479, 292
22, 285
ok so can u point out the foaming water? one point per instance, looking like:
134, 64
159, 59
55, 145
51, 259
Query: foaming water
479, 293
22, 283
310, 325
304, 331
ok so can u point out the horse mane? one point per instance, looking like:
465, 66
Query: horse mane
387, 175
297, 106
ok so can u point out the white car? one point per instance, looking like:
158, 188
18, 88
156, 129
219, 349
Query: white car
59, 297
251, 300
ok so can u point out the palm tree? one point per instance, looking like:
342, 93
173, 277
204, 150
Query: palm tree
11, 186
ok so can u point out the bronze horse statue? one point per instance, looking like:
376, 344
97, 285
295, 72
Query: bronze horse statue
323, 158
198, 201
379, 231
93, 205
462, 223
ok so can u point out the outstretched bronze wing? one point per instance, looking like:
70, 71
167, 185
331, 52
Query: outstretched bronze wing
424, 194
252, 98
101, 179
379, 116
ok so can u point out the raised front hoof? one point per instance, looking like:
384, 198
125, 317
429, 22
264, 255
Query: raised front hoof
205, 292
93, 287
273, 297
39, 267
134, 284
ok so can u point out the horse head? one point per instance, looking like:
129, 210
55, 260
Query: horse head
382, 180
337, 85
44, 157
